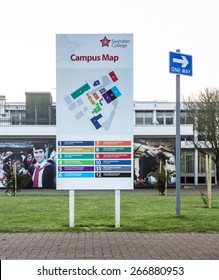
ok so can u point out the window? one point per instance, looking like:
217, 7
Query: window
182, 117
160, 117
148, 117
169, 117
186, 118
165, 117
139, 120
202, 164
187, 161
143, 117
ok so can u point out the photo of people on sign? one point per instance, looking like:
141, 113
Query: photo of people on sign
34, 158
149, 156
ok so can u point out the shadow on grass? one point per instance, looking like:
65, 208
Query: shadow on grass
181, 217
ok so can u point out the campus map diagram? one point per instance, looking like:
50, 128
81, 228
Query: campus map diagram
95, 101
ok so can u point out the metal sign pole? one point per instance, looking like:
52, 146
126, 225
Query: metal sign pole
178, 144
71, 208
117, 208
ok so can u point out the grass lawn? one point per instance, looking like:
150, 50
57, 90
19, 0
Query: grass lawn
149, 212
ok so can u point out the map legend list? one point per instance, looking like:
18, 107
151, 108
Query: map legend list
94, 159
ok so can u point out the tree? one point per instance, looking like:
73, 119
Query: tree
162, 178
16, 180
203, 109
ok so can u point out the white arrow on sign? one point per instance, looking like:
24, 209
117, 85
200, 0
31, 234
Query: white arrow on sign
183, 61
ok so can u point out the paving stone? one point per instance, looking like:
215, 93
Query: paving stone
110, 245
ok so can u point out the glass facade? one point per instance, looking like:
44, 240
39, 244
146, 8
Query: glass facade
17, 115
161, 117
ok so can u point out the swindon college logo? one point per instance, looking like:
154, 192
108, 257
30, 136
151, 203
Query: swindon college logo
115, 42
105, 42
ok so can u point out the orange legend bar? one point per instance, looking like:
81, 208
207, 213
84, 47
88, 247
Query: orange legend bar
75, 149
112, 143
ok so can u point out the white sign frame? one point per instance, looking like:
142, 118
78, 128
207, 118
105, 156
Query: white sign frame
88, 64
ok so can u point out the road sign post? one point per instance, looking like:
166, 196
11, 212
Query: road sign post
178, 145
179, 64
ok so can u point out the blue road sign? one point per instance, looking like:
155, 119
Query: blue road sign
180, 64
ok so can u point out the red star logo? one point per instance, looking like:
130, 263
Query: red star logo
105, 42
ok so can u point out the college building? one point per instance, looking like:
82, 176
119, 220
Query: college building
22, 124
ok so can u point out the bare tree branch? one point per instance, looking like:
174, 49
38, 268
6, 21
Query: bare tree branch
203, 110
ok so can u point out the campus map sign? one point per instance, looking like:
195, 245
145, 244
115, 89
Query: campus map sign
94, 111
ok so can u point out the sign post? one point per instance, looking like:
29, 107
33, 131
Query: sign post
71, 208
117, 208
179, 64
178, 145
94, 114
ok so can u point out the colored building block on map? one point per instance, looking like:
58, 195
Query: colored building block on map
96, 96
113, 76
107, 97
111, 94
115, 91
95, 122
102, 90
80, 91
96, 83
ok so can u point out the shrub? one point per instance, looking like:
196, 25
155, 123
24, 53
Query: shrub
10, 181
161, 178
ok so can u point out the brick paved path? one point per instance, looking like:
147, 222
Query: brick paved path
110, 245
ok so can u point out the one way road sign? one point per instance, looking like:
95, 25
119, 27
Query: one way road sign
180, 64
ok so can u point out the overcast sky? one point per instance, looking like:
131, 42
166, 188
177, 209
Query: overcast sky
28, 29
